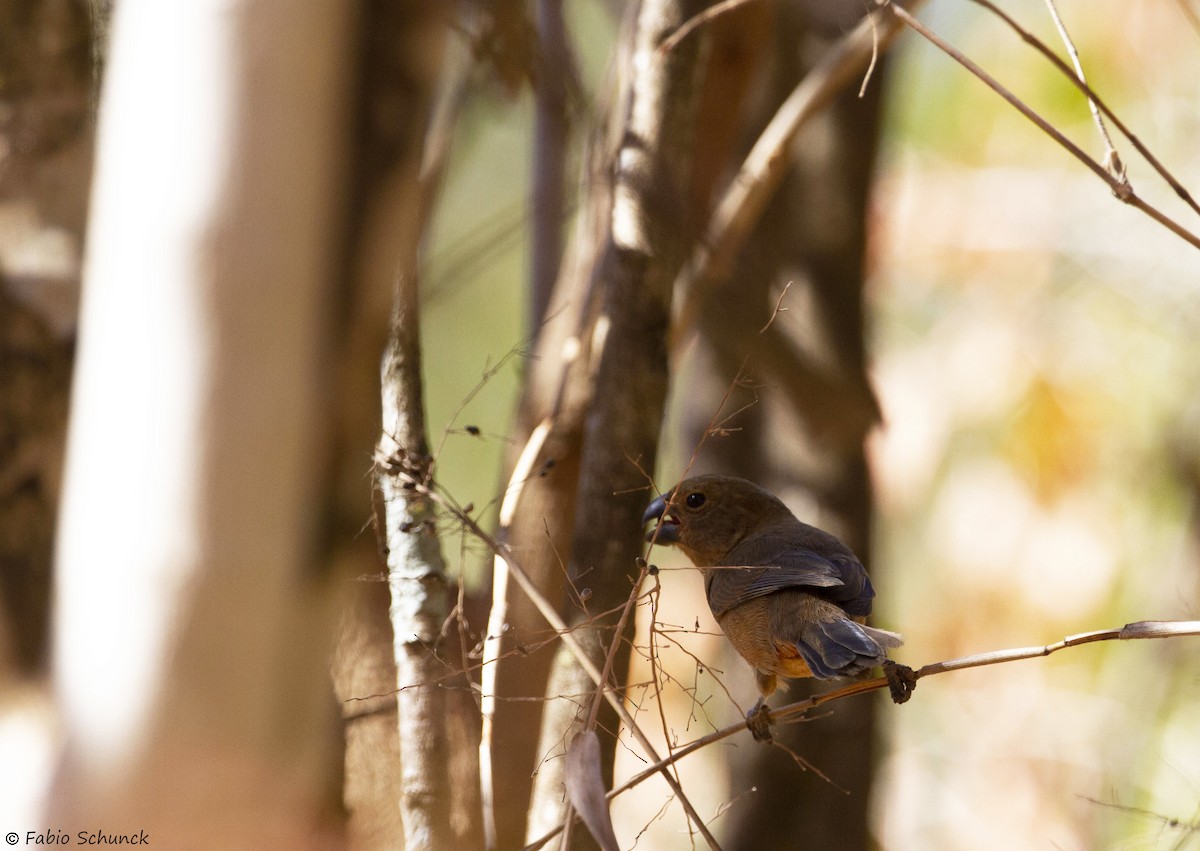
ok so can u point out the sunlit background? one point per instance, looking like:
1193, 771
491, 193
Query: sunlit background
1034, 350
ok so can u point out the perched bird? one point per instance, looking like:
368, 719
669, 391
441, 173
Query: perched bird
791, 598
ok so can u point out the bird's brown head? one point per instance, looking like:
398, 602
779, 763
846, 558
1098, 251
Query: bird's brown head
707, 516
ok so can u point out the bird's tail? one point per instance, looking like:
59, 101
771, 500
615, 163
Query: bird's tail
843, 648
883, 637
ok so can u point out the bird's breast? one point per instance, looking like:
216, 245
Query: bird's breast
748, 628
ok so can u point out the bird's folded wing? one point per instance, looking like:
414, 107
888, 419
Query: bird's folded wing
769, 564
729, 586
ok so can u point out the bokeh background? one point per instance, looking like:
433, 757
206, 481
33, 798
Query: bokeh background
1033, 347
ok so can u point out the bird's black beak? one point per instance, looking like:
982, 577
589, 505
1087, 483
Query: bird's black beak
667, 530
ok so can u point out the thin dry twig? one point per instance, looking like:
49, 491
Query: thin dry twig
544, 607
1183, 825
799, 710
1093, 98
744, 200
609, 660
1112, 160
1123, 191
696, 21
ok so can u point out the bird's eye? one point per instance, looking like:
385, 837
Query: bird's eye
694, 500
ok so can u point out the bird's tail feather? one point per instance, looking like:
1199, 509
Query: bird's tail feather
883, 637
843, 648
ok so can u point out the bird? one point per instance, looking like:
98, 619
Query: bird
791, 598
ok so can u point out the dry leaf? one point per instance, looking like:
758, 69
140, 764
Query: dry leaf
585, 788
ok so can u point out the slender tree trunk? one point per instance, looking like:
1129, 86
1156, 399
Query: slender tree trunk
417, 579
643, 250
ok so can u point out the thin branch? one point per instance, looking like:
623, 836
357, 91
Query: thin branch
748, 193
800, 709
1123, 191
1112, 160
1093, 98
687, 27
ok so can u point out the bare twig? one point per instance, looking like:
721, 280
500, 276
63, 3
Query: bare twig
797, 711
687, 27
517, 572
1123, 191
1094, 99
1185, 826
744, 201
1112, 160
605, 676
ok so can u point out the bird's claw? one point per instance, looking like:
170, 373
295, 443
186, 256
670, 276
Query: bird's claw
759, 721
901, 680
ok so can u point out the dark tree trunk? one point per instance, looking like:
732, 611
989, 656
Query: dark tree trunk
46, 132
805, 437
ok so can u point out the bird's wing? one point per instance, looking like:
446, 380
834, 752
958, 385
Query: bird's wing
835, 575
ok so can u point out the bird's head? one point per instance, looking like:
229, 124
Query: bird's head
708, 515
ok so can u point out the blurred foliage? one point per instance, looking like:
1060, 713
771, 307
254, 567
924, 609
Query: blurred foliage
1034, 350
475, 281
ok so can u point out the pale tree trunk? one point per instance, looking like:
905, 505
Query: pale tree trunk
193, 608
387, 794
417, 580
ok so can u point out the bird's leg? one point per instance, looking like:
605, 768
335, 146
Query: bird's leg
901, 680
758, 720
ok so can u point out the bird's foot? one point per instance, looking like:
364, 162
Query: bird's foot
758, 720
901, 680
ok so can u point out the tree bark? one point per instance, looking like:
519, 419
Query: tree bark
815, 404
643, 250
46, 133
417, 579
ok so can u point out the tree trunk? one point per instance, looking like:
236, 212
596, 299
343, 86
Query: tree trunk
46, 133
805, 437
643, 250
193, 602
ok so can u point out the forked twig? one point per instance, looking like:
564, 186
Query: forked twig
1093, 98
1123, 191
